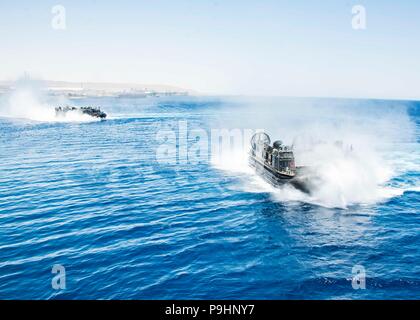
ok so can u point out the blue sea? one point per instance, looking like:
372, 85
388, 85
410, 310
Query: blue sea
143, 206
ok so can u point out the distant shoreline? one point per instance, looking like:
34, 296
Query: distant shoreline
97, 89
134, 90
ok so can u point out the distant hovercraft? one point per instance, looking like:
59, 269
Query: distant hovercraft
90, 111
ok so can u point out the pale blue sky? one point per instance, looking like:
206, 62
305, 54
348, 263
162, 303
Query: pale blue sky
294, 48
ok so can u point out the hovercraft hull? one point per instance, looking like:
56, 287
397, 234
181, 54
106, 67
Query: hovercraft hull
277, 179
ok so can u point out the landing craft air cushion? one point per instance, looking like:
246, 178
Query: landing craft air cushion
275, 163
91, 111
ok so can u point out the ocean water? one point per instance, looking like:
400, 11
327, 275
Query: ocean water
142, 206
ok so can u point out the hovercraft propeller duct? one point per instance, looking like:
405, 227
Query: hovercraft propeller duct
259, 138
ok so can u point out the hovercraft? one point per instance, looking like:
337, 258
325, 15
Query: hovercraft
91, 111
275, 163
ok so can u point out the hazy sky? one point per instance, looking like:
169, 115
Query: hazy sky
294, 48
